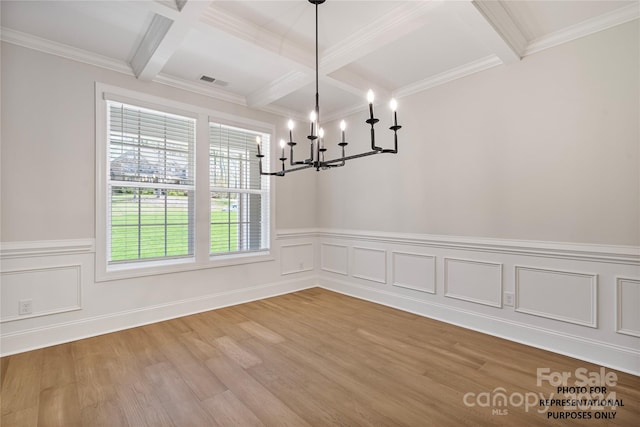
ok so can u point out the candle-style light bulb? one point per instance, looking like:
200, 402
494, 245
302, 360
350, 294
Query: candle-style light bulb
321, 133
343, 126
282, 146
290, 125
370, 99
394, 106
258, 142
312, 118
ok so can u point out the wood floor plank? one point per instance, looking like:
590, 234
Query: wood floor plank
320, 400
235, 352
312, 357
106, 413
58, 367
190, 369
199, 347
262, 332
269, 409
59, 407
21, 384
189, 413
24, 417
168, 384
141, 405
94, 381
229, 411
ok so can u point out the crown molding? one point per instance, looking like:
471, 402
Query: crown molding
79, 55
65, 51
450, 75
211, 92
584, 28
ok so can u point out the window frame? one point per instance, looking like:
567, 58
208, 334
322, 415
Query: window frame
265, 233
201, 259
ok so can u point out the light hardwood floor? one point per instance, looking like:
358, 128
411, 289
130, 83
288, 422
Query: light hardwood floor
311, 358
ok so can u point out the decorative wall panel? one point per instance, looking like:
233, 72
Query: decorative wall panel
628, 306
475, 281
296, 258
414, 271
370, 264
557, 294
50, 290
334, 258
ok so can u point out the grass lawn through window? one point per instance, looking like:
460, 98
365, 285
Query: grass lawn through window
158, 226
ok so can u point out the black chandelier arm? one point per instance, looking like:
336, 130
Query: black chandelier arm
372, 121
284, 171
317, 149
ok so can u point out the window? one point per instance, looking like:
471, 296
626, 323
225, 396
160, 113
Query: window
178, 187
239, 194
150, 208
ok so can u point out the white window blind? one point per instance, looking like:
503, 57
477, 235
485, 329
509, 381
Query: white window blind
150, 212
239, 194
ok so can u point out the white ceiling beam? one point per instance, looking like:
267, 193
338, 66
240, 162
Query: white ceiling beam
215, 19
487, 32
500, 19
394, 25
279, 88
164, 36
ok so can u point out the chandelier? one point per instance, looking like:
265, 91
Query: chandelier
316, 135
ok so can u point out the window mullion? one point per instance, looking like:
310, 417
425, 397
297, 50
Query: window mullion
202, 192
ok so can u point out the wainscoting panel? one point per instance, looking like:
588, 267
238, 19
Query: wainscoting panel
628, 306
50, 290
370, 264
475, 281
478, 271
414, 271
334, 258
296, 258
546, 293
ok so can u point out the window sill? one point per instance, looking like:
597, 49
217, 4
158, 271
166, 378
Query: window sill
154, 268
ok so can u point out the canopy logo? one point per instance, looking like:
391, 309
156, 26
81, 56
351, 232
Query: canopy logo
579, 394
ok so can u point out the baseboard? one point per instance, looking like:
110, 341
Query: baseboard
615, 357
60, 333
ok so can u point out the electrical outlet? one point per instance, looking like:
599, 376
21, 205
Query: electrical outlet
509, 298
25, 306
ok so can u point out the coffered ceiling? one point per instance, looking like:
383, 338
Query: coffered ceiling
261, 53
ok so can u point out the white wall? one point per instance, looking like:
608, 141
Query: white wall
494, 170
48, 214
522, 180
543, 149
48, 147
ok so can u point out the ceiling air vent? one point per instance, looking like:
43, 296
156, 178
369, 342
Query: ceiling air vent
210, 79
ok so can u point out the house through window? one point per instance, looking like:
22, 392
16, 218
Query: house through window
151, 184
178, 187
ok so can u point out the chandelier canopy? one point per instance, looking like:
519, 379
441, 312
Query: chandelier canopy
316, 135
